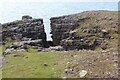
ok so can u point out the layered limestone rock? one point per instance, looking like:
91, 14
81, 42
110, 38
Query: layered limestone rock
25, 29
60, 28
86, 30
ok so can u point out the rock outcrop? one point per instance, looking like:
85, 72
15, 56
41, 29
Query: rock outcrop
24, 30
86, 30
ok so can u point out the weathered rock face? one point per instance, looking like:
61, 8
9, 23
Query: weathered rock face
27, 28
60, 28
87, 30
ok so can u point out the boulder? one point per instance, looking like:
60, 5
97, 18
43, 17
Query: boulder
8, 51
82, 73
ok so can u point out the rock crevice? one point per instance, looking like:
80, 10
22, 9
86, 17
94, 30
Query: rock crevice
86, 30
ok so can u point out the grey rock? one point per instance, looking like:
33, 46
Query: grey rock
57, 48
24, 30
83, 34
8, 51
44, 50
82, 73
26, 17
104, 31
69, 71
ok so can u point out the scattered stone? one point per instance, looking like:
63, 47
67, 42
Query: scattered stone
115, 53
44, 50
104, 31
68, 62
96, 75
82, 73
68, 71
64, 78
22, 46
57, 48
8, 51
104, 47
26, 39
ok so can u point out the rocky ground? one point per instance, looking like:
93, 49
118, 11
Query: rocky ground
84, 46
26, 29
101, 64
62, 64
85, 30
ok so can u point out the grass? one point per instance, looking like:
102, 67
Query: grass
1, 59
52, 64
31, 64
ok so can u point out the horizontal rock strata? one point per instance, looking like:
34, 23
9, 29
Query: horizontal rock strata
86, 30
25, 29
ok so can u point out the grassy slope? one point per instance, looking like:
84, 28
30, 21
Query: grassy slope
104, 20
31, 65
0, 60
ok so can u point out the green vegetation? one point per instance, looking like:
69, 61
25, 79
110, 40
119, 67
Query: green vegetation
27, 64
0, 59
52, 64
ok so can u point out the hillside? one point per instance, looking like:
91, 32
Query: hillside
86, 30
85, 45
